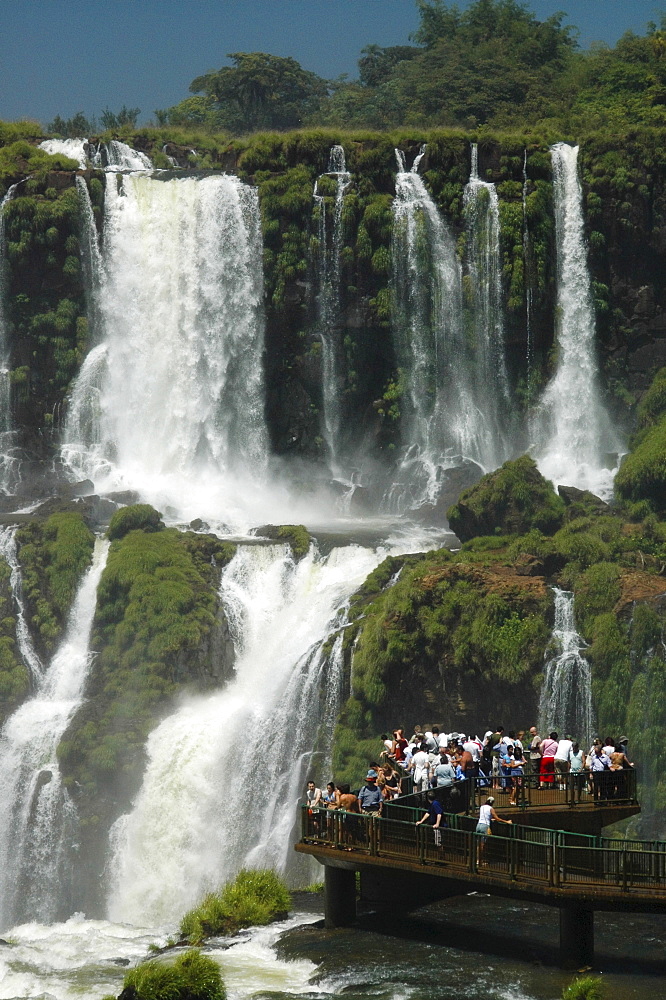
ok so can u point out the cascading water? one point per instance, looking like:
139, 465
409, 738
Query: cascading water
572, 438
38, 820
75, 149
566, 695
225, 772
174, 394
481, 208
328, 304
24, 641
8, 462
428, 329
119, 156
91, 257
527, 268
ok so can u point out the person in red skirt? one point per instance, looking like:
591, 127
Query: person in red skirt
548, 750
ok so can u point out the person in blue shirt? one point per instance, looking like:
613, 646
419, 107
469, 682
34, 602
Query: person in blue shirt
434, 816
370, 796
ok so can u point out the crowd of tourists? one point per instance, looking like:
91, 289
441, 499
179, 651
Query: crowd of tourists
503, 761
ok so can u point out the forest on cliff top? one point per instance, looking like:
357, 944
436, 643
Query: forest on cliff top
492, 64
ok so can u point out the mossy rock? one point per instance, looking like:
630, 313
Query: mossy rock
138, 516
512, 500
192, 976
296, 536
255, 897
53, 553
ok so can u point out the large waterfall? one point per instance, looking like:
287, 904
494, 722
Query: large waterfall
8, 462
225, 771
171, 402
484, 265
566, 695
329, 320
38, 819
573, 441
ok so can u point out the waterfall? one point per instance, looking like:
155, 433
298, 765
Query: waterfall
38, 821
24, 641
527, 254
75, 149
173, 396
8, 462
225, 772
329, 304
91, 257
572, 439
484, 263
120, 156
566, 695
443, 421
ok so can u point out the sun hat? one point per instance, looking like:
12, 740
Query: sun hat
371, 775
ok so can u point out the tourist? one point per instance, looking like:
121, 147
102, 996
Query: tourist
420, 768
485, 768
517, 772
486, 815
577, 762
535, 752
466, 762
473, 747
599, 765
330, 797
388, 746
347, 801
547, 767
399, 745
495, 742
563, 760
623, 741
312, 795
433, 815
609, 746
430, 741
370, 796
619, 764
348, 805
444, 773
389, 782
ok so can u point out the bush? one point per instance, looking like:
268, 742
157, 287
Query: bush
585, 988
295, 535
192, 976
255, 897
642, 475
512, 500
139, 516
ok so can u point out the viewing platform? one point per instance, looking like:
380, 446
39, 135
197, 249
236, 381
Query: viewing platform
577, 872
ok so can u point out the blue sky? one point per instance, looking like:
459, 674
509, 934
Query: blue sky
63, 56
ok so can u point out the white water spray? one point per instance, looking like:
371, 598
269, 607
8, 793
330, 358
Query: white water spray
328, 305
38, 821
75, 149
172, 403
481, 208
225, 772
572, 438
566, 695
24, 641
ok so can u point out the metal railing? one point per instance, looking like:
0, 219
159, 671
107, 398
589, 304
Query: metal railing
530, 855
530, 791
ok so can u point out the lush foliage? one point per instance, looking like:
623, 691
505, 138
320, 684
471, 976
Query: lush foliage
296, 536
155, 631
584, 988
191, 976
515, 498
255, 897
53, 556
642, 475
138, 516
14, 676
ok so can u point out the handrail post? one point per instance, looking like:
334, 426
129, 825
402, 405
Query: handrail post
420, 837
472, 848
373, 835
624, 869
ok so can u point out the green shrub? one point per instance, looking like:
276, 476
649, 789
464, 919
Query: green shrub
192, 976
255, 897
653, 404
296, 536
642, 475
53, 554
139, 516
585, 988
512, 500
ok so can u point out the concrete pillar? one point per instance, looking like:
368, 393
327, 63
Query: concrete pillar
340, 897
576, 936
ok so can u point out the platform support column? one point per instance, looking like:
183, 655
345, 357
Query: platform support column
576, 936
340, 897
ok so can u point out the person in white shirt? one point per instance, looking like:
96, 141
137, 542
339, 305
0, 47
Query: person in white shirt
474, 748
420, 768
563, 760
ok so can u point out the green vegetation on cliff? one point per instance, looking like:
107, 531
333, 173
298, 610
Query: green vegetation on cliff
14, 675
53, 555
642, 475
191, 976
158, 629
511, 500
255, 897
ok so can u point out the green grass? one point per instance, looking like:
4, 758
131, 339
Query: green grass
255, 897
192, 976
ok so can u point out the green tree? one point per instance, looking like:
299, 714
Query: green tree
261, 91
72, 128
125, 117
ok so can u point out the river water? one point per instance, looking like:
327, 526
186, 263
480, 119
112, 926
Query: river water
472, 947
